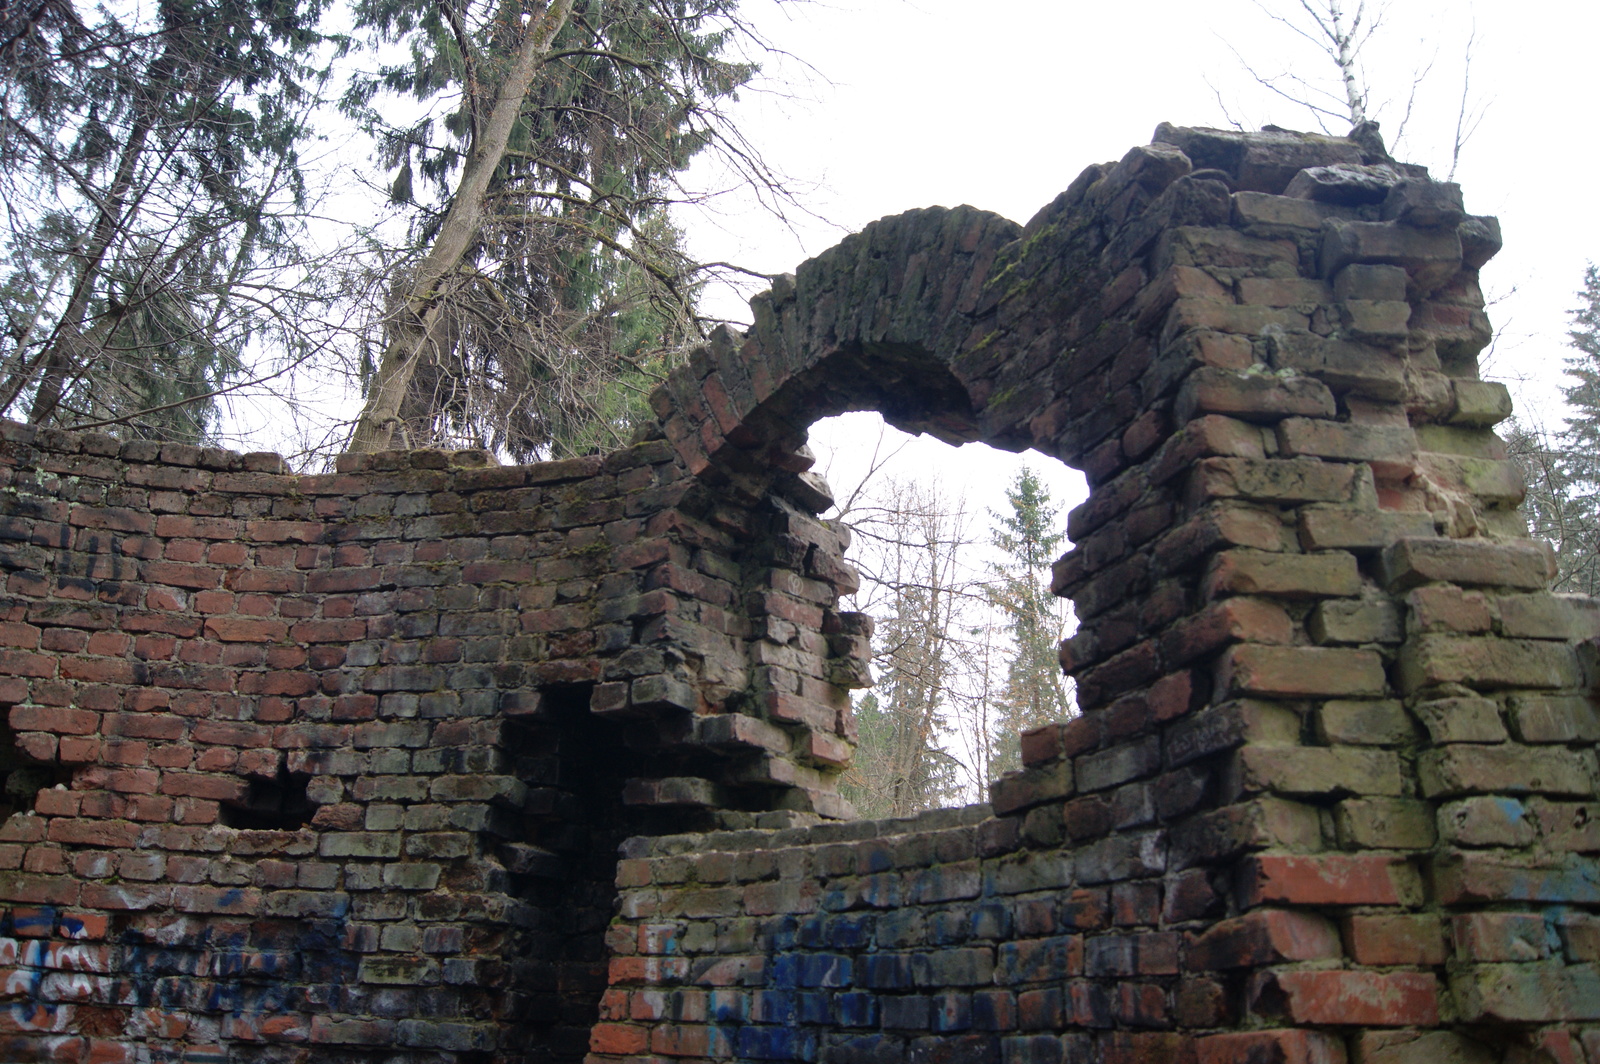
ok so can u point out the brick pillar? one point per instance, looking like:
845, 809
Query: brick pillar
1339, 680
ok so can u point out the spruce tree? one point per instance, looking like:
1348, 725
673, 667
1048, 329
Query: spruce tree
1034, 692
1564, 495
149, 158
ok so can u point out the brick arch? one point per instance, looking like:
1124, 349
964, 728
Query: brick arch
1057, 336
874, 322
958, 323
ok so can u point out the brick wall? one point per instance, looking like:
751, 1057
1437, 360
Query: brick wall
334, 768
310, 760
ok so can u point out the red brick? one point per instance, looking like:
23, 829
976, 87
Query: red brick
1356, 998
1231, 620
78, 750
618, 1039
1141, 1005
62, 720
22, 663
195, 785
40, 746
1041, 744
232, 901
1328, 879
86, 926
102, 670
247, 629
1147, 1048
1266, 936
39, 890
1384, 940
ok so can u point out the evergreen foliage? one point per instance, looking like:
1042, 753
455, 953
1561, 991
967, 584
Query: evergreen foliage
1563, 504
575, 293
1034, 692
149, 160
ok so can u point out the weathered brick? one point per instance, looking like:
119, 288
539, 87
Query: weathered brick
1461, 720
1344, 365
1288, 1046
1248, 572
1358, 998
1486, 663
1317, 770
1500, 936
1328, 879
1443, 608
1211, 390
1346, 441
1528, 993
1343, 621
1276, 480
1366, 723
1354, 528
1554, 718
1399, 939
1414, 561
1265, 936
1384, 823
1299, 672
1472, 769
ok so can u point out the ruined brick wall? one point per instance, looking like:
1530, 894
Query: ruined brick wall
341, 760
1332, 794
334, 768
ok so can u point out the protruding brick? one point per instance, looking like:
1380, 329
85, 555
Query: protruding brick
1265, 936
1252, 396
1486, 664
1246, 572
1300, 672
1356, 998
1410, 562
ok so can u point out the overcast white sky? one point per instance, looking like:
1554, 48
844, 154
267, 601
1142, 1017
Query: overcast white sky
918, 102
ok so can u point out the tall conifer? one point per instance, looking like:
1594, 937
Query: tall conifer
1034, 692
149, 160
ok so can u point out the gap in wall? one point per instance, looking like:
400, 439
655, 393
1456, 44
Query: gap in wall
22, 777
954, 684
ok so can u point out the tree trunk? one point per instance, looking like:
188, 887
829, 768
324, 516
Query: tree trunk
417, 308
67, 349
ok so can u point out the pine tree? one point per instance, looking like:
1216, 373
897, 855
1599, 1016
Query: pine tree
1034, 692
151, 167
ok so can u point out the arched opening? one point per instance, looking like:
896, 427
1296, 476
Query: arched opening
954, 546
